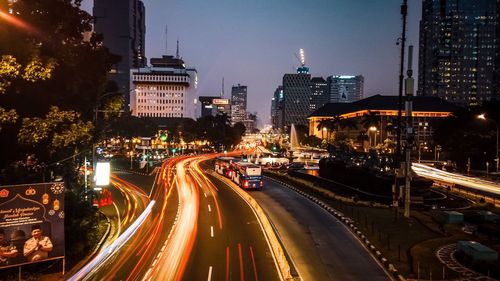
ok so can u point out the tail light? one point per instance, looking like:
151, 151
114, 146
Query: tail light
246, 183
261, 183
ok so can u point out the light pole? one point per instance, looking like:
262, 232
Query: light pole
483, 117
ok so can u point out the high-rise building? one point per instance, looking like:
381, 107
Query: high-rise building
122, 24
166, 89
319, 93
238, 103
277, 108
457, 50
496, 94
213, 105
296, 98
345, 88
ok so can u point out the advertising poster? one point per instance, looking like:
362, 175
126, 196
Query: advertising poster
31, 223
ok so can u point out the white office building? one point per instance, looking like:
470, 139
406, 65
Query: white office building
165, 89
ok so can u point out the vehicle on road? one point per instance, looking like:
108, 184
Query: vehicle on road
223, 165
247, 175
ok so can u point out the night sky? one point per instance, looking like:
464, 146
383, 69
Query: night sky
254, 42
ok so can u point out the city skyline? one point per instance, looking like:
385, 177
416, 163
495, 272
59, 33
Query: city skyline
262, 38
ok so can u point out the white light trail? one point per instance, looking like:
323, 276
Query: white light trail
108, 252
439, 175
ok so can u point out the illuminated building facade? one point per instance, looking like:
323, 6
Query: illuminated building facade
457, 50
166, 89
213, 105
277, 108
296, 98
238, 103
320, 95
384, 109
122, 24
345, 88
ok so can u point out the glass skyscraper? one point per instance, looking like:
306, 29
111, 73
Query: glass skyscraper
457, 50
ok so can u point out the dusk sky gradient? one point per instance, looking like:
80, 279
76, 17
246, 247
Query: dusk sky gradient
254, 42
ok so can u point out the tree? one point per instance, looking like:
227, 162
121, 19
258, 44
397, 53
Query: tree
58, 131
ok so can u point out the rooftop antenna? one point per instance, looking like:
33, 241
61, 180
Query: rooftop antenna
222, 92
166, 38
177, 52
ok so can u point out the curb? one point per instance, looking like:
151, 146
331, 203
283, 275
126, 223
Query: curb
389, 267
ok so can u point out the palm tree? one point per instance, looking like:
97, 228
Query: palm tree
322, 125
370, 119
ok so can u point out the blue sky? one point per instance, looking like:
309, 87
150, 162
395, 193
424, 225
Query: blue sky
254, 42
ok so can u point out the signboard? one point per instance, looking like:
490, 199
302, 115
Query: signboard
220, 101
31, 223
102, 173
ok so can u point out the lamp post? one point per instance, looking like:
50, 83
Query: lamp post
483, 117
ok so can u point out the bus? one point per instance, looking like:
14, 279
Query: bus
223, 165
247, 175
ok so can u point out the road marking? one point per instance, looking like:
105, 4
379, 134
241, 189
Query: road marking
209, 209
242, 273
209, 274
227, 263
254, 266
119, 219
211, 231
205, 194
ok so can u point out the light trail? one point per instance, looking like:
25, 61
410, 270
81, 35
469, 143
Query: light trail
439, 175
96, 263
171, 262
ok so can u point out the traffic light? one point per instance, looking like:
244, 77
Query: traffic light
163, 136
174, 150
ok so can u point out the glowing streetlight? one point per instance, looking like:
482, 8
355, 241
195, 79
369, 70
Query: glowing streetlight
482, 116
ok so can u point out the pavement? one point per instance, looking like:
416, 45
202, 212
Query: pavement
446, 255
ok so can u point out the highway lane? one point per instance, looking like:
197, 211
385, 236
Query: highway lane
469, 182
132, 259
321, 247
230, 244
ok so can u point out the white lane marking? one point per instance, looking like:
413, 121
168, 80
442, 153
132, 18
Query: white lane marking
209, 208
209, 274
211, 231
205, 194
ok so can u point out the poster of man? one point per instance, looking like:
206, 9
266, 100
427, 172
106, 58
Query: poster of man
31, 223
37, 247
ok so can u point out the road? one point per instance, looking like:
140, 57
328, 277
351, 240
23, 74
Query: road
321, 246
230, 244
196, 227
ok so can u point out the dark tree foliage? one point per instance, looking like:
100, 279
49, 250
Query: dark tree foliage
464, 135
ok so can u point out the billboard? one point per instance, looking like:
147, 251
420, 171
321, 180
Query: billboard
31, 223
220, 101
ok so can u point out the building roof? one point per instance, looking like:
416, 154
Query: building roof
379, 102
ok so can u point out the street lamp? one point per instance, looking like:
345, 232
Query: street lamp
483, 117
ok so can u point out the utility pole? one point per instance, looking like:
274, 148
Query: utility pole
397, 155
409, 85
404, 13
